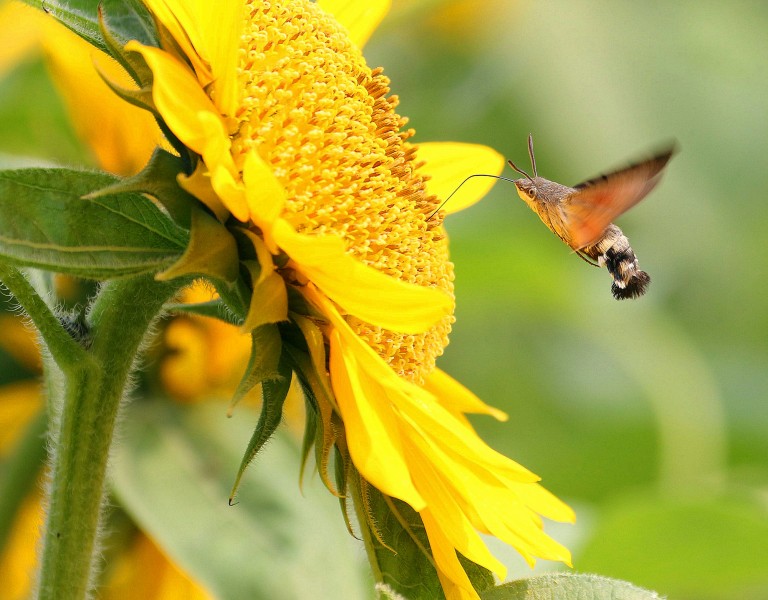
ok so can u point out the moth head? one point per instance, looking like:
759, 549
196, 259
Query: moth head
526, 189
526, 186
528, 192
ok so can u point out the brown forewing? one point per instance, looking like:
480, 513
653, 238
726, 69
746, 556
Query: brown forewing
597, 202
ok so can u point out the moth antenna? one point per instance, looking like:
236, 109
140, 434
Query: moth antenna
533, 158
519, 170
465, 181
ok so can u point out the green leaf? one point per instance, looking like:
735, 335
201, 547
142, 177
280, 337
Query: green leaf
273, 393
403, 565
128, 19
45, 223
705, 547
568, 586
172, 473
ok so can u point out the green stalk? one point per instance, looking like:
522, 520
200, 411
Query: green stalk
83, 428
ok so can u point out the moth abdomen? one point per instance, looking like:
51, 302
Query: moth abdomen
613, 251
630, 287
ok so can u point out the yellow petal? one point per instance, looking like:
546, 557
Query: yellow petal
183, 26
360, 19
264, 194
269, 302
443, 506
544, 502
507, 511
229, 189
453, 578
418, 407
209, 34
433, 421
448, 164
458, 398
371, 427
186, 108
221, 24
359, 289
363, 385
199, 185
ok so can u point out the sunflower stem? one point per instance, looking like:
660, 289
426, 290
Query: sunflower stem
85, 409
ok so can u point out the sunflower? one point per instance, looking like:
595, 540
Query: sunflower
293, 143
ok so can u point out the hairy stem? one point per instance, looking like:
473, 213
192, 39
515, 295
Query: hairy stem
86, 411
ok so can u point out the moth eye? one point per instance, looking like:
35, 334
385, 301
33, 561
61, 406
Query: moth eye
532, 192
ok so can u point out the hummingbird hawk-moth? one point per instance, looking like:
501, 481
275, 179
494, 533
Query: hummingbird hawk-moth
582, 216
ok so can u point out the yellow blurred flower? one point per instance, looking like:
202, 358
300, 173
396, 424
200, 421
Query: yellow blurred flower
298, 140
19, 556
145, 572
20, 29
123, 137
204, 357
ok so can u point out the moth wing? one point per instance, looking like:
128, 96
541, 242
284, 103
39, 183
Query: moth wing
597, 202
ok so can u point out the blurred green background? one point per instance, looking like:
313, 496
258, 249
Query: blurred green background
648, 416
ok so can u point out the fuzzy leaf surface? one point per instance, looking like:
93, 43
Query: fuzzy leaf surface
45, 223
128, 19
569, 586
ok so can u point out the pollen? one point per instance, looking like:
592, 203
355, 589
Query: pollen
326, 124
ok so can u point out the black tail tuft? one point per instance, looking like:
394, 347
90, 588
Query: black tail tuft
634, 288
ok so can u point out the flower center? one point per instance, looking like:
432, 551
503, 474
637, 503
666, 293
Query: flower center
321, 118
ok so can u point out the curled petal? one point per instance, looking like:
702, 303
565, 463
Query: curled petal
359, 289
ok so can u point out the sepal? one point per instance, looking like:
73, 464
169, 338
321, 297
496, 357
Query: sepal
274, 391
213, 309
140, 98
133, 63
399, 548
211, 252
269, 300
159, 180
263, 364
